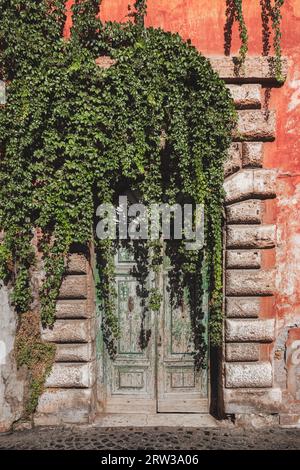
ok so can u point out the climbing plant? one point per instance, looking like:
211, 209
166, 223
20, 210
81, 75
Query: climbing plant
234, 12
270, 14
73, 134
239, 17
140, 10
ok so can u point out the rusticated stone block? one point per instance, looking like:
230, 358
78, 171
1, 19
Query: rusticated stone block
74, 287
71, 375
72, 309
261, 420
242, 307
239, 375
64, 406
252, 400
236, 352
80, 352
252, 154
256, 125
255, 69
239, 186
249, 282
105, 62
247, 184
250, 330
243, 236
246, 96
290, 420
76, 264
247, 212
234, 160
68, 331
264, 183
243, 259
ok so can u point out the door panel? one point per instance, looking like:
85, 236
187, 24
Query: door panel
181, 388
130, 376
161, 376
129, 315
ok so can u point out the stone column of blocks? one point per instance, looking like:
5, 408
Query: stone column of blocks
248, 376
70, 387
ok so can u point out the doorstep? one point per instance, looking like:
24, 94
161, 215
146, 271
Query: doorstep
193, 420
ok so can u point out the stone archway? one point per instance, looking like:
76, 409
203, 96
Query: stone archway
247, 373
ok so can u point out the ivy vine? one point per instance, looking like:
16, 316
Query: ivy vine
270, 14
139, 14
234, 12
73, 134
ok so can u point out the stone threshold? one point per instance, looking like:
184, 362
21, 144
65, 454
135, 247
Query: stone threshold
193, 420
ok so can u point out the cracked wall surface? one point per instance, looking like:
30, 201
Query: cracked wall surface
11, 379
261, 363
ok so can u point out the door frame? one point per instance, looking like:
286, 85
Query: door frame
101, 365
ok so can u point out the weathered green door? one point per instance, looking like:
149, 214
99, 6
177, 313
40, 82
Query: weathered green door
159, 376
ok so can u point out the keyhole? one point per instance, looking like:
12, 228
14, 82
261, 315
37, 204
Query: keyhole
183, 310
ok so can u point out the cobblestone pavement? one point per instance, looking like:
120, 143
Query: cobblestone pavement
93, 438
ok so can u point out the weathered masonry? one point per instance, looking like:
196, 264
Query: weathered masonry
261, 353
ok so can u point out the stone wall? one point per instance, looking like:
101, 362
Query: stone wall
69, 396
261, 355
249, 383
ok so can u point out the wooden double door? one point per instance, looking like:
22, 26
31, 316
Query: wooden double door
153, 370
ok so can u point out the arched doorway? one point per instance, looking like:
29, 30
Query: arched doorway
154, 367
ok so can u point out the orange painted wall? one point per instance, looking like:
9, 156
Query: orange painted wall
203, 22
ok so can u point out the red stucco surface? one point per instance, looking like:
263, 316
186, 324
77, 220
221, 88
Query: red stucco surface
203, 22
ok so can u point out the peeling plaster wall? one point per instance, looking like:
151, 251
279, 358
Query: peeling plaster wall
11, 380
203, 22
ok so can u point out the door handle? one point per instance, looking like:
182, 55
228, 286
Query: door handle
130, 303
159, 341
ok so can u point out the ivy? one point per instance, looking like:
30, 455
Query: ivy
140, 12
86, 22
234, 12
74, 134
28, 32
34, 354
242, 30
272, 14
